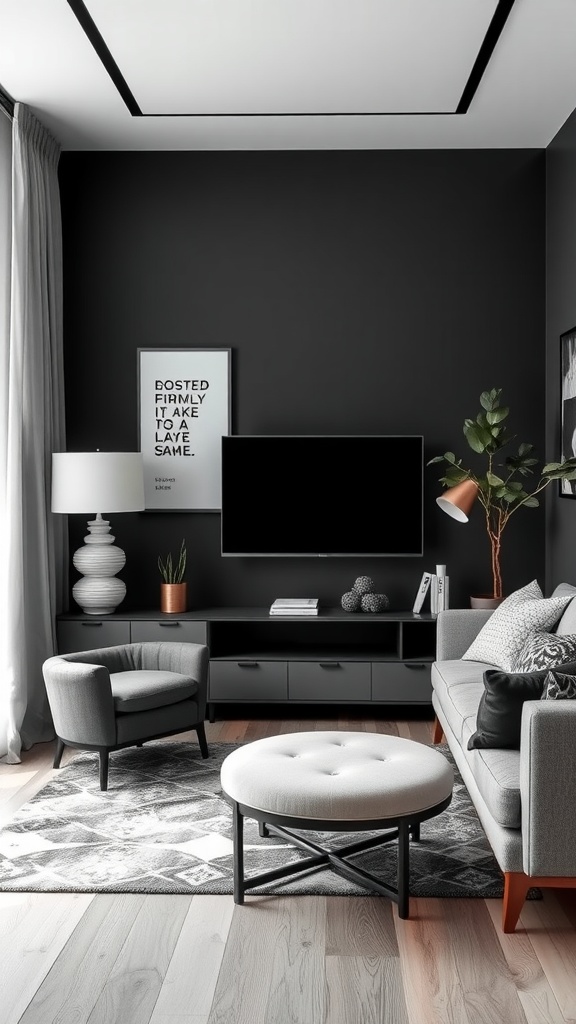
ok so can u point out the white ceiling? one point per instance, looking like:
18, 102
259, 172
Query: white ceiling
291, 74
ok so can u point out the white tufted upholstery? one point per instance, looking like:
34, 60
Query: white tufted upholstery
337, 776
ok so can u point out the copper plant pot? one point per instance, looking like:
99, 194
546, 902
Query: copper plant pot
173, 597
485, 601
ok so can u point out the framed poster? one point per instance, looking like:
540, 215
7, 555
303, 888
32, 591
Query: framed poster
568, 406
183, 412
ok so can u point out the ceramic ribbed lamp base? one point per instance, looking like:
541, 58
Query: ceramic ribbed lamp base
99, 592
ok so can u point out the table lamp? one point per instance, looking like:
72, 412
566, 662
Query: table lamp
111, 482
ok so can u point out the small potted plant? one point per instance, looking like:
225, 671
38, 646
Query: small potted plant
500, 485
173, 589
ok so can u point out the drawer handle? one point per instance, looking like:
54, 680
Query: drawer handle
415, 664
247, 664
329, 664
92, 623
168, 625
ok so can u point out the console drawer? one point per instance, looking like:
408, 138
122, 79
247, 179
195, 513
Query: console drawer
248, 680
90, 634
330, 680
178, 631
401, 682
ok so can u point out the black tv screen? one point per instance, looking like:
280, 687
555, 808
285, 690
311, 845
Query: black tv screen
322, 495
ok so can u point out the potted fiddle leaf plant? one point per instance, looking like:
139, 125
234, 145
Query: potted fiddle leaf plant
501, 486
173, 589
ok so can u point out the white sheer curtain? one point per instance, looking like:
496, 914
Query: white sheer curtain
32, 540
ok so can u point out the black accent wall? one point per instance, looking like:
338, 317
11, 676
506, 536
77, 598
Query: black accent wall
360, 292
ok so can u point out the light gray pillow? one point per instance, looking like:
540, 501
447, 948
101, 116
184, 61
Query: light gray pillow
503, 636
559, 686
545, 650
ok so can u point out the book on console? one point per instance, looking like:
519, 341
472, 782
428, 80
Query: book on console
294, 606
293, 611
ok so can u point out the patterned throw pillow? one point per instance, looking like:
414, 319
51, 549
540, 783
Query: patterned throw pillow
522, 613
545, 650
559, 686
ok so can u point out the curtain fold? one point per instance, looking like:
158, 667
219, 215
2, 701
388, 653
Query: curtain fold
33, 560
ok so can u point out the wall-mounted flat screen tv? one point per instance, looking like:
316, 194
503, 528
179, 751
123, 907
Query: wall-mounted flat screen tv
322, 496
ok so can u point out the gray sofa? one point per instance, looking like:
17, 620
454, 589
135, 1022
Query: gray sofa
526, 798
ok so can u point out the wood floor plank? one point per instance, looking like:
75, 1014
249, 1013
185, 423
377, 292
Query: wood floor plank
554, 940
71, 989
432, 987
364, 990
534, 991
273, 967
360, 926
192, 974
133, 985
35, 929
490, 994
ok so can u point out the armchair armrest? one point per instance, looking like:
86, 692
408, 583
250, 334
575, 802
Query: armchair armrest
548, 787
456, 628
80, 698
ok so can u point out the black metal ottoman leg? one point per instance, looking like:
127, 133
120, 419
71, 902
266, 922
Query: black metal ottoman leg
415, 832
262, 830
403, 868
238, 840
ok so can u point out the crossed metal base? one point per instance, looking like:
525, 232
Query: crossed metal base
399, 828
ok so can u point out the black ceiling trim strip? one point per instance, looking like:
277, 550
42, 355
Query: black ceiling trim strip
85, 19
485, 52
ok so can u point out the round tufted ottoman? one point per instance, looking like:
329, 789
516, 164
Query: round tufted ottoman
335, 782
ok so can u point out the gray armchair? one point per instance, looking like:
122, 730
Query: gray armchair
123, 696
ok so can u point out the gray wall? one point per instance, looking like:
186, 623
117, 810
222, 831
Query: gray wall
560, 317
360, 292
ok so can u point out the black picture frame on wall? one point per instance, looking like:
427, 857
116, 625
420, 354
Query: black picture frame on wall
567, 488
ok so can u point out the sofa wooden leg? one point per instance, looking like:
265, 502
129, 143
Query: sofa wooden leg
438, 732
516, 885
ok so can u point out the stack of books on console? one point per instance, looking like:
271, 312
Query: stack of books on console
294, 606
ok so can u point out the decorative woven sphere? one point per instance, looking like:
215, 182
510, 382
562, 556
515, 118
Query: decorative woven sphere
350, 601
374, 603
364, 585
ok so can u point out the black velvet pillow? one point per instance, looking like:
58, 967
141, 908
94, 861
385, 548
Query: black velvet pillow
500, 709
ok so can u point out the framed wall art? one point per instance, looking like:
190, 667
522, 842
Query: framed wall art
183, 412
568, 406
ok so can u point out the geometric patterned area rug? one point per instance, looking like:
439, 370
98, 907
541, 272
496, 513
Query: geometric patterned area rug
163, 826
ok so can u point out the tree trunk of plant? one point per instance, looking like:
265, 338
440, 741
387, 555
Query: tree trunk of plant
496, 573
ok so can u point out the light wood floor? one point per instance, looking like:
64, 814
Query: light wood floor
102, 959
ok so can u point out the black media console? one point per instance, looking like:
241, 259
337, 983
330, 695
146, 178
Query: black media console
335, 657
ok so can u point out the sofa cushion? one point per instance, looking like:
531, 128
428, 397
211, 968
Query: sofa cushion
147, 689
545, 650
458, 686
521, 614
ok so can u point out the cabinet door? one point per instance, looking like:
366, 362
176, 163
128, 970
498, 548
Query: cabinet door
248, 680
177, 631
401, 682
330, 680
89, 634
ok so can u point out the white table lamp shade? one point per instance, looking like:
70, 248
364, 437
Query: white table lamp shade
97, 482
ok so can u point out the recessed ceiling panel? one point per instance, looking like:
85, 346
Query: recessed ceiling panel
202, 57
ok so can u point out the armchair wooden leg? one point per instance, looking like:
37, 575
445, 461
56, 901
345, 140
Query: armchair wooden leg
438, 733
104, 757
58, 752
516, 885
201, 733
